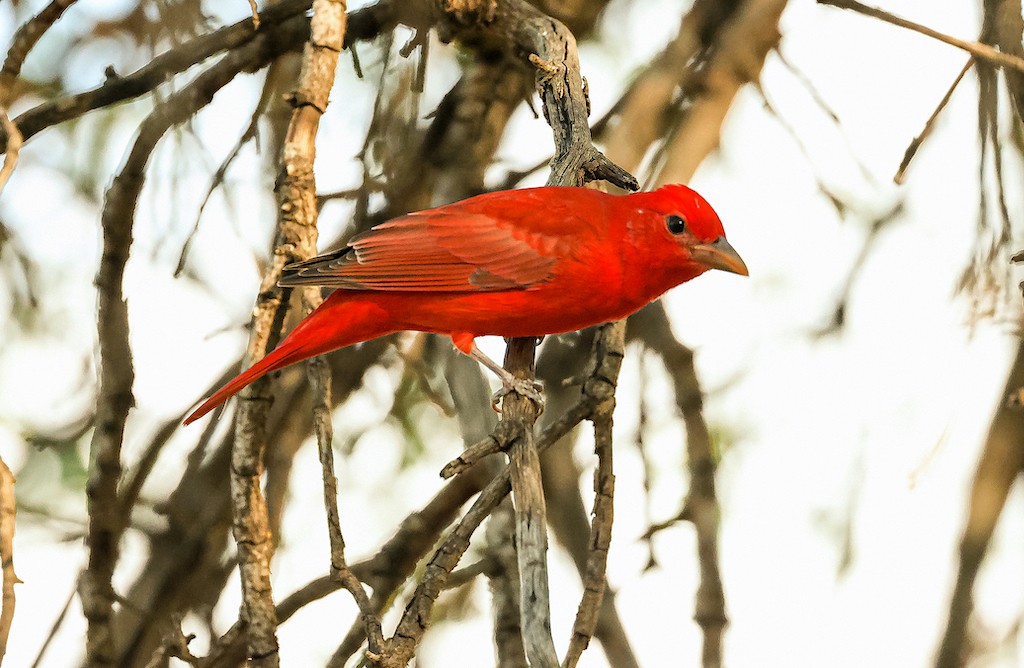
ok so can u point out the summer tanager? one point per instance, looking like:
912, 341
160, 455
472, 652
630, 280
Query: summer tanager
513, 263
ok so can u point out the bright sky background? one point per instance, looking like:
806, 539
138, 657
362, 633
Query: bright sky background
879, 425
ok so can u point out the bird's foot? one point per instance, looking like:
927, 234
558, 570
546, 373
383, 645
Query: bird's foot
529, 389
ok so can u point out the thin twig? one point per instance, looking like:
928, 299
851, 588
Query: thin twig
174, 644
503, 578
24, 39
977, 49
495, 442
53, 629
999, 466
248, 135
8, 510
601, 526
701, 504
14, 142
164, 66
912, 149
255, 15
531, 511
598, 387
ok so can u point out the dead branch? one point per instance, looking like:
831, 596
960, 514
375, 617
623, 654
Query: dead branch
163, 67
296, 240
912, 149
1001, 462
8, 511
504, 584
531, 513
24, 39
598, 387
977, 49
601, 527
116, 374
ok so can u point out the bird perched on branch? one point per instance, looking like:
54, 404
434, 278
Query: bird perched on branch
511, 263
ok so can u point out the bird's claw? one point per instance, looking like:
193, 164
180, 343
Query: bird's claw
529, 389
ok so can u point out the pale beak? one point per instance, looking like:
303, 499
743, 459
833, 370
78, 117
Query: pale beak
719, 255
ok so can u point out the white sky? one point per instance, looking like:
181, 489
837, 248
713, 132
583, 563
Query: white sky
880, 424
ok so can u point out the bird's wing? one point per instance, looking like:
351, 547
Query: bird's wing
436, 250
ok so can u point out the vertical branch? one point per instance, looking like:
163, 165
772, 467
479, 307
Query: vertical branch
115, 397
107, 510
251, 529
504, 583
601, 526
8, 510
566, 109
701, 505
1002, 460
24, 39
597, 388
531, 514
296, 193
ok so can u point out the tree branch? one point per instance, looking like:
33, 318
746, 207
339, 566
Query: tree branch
977, 49
1001, 462
166, 65
601, 527
8, 511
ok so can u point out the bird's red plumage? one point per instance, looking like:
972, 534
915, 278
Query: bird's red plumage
512, 263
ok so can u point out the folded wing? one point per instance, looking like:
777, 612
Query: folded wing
436, 251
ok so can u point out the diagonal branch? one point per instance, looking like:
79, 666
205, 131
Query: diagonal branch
163, 67
106, 515
976, 49
8, 510
1001, 463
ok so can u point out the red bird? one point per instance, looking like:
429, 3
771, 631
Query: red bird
512, 263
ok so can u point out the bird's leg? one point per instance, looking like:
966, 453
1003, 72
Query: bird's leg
530, 390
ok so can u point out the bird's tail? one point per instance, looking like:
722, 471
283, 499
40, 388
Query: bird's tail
323, 330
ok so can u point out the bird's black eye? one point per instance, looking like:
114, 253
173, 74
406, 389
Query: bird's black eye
676, 224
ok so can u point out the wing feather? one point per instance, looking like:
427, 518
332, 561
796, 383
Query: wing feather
440, 250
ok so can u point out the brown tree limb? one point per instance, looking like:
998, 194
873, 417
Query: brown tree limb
1003, 27
598, 387
701, 505
163, 67
601, 526
24, 39
503, 578
297, 202
8, 511
912, 149
977, 49
740, 49
531, 512
296, 240
116, 374
251, 530
14, 143
1001, 463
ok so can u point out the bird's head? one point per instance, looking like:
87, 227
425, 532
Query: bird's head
691, 223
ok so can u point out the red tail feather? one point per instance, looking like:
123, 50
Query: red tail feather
322, 331
281, 357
